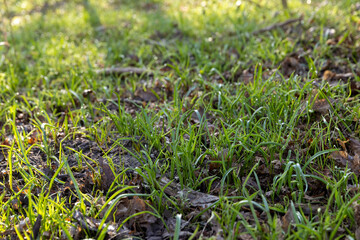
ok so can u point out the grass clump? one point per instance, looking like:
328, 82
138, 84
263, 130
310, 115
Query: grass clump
179, 120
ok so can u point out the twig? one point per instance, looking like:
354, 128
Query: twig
278, 25
120, 70
284, 4
343, 76
132, 101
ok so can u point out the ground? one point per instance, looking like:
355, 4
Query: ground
179, 119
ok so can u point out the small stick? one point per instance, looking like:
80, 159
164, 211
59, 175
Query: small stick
284, 3
343, 76
132, 101
277, 25
120, 70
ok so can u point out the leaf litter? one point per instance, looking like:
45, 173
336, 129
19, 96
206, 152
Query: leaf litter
118, 225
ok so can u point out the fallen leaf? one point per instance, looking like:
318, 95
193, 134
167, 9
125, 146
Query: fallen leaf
294, 63
288, 219
354, 145
344, 159
322, 106
247, 77
328, 75
341, 157
356, 208
146, 96
32, 141
36, 227
107, 175
91, 225
195, 198
127, 207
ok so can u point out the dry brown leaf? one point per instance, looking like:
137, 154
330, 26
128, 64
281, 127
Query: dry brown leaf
247, 77
32, 141
342, 143
357, 220
127, 207
354, 145
328, 75
322, 105
146, 96
344, 159
290, 65
195, 198
341, 157
91, 225
107, 175
137, 205
288, 219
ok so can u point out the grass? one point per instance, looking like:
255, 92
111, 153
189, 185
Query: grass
233, 134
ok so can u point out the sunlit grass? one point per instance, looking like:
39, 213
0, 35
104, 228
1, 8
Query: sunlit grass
207, 130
